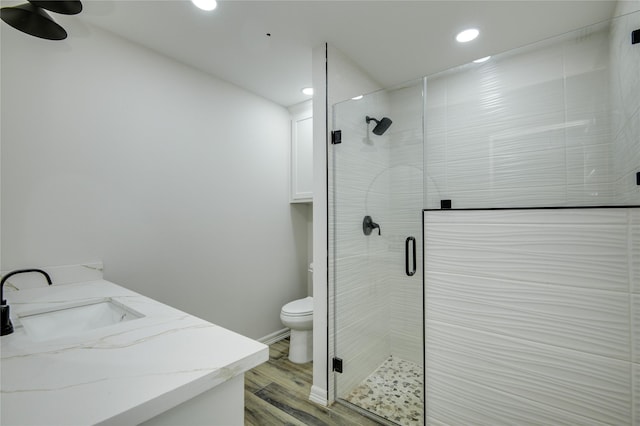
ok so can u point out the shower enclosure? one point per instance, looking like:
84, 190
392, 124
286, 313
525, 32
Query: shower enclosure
519, 179
375, 202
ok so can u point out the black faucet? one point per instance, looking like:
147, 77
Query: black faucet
7, 327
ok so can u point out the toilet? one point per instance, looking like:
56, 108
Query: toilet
298, 316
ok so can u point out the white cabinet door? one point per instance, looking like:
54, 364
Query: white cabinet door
302, 157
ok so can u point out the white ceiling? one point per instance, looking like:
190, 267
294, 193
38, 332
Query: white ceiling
394, 41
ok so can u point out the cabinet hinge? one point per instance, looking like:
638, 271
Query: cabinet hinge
336, 137
336, 365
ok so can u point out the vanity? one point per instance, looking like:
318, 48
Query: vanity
95, 353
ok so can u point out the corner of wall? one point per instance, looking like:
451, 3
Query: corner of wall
320, 323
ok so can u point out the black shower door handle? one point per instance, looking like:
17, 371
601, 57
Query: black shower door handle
408, 241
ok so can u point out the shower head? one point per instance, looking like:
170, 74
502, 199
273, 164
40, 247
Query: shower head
381, 125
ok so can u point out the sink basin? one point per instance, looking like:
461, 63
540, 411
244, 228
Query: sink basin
74, 319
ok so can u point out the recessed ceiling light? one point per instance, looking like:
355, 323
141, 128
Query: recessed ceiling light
467, 35
481, 60
357, 98
207, 5
308, 91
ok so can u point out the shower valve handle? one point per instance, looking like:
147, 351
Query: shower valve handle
369, 225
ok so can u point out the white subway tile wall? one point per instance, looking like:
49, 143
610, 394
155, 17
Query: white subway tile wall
553, 124
358, 186
636, 391
530, 317
625, 106
405, 205
378, 307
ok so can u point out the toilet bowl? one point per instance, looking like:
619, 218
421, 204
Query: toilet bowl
298, 316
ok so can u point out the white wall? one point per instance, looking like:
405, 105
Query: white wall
533, 316
306, 209
178, 181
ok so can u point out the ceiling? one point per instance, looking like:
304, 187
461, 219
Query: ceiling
394, 41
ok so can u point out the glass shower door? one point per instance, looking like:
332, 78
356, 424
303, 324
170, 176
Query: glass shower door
375, 214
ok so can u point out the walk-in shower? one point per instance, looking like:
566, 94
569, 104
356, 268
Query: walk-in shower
495, 277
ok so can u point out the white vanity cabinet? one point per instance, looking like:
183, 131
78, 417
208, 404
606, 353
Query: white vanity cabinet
162, 368
301, 181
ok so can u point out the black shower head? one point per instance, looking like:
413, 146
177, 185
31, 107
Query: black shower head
381, 125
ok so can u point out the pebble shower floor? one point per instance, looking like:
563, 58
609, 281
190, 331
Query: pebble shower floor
393, 391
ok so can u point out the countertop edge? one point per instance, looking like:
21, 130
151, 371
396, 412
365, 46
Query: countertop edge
184, 393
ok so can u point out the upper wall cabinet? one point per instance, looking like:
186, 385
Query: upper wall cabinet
301, 153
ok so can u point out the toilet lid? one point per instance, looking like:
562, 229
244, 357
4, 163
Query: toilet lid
299, 307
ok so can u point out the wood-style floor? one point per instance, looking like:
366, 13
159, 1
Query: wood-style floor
277, 393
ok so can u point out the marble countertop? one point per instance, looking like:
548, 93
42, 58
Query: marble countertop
120, 374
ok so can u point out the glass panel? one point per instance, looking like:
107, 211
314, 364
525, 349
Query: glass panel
518, 300
551, 124
377, 306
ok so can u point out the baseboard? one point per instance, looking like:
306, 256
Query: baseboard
318, 395
274, 337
